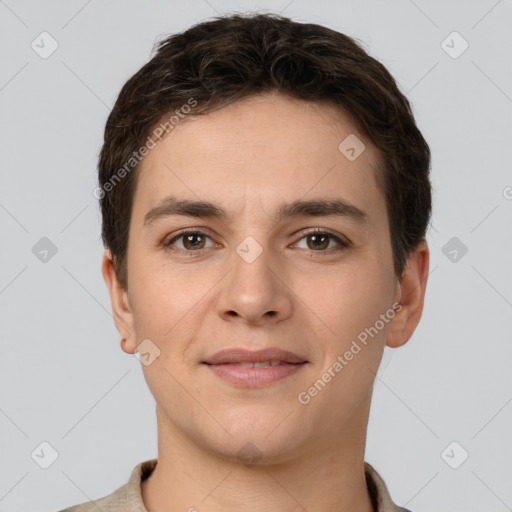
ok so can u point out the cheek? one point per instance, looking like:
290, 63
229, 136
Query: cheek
352, 347
167, 302
154, 291
353, 308
352, 300
164, 312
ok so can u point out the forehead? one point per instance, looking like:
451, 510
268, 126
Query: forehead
266, 148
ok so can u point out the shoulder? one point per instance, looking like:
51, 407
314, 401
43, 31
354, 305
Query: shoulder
110, 503
126, 498
379, 492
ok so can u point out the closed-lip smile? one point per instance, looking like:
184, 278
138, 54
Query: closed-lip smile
254, 368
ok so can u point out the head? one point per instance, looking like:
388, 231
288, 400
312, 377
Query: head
253, 132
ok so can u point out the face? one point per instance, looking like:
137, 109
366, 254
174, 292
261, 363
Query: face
291, 253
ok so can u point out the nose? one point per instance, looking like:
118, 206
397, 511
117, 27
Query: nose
256, 290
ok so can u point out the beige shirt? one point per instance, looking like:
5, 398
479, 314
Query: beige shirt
127, 498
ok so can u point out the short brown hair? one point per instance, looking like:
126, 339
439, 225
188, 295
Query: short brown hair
228, 58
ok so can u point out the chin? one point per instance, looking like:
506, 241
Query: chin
255, 451
255, 440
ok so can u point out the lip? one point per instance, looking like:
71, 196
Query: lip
226, 365
241, 355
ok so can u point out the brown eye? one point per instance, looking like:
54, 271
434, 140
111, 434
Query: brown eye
191, 241
320, 240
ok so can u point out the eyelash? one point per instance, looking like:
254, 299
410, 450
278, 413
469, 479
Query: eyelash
343, 244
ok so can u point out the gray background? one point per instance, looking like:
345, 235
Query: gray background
63, 377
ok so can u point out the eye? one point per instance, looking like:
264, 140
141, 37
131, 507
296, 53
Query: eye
319, 240
192, 241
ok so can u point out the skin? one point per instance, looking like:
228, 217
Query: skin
249, 157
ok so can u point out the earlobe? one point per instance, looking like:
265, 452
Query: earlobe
123, 316
411, 295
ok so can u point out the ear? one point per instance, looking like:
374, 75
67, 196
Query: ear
123, 316
410, 294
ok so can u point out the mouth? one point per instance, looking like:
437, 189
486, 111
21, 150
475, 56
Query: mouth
253, 369
256, 364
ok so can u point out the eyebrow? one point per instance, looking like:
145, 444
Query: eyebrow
204, 209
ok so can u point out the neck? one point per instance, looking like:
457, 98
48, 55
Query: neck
326, 476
